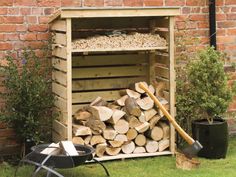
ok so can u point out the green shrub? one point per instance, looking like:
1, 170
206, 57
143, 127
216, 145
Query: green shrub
28, 97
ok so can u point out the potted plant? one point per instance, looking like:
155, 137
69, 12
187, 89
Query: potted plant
28, 97
211, 96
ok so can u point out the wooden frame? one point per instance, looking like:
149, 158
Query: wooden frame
78, 74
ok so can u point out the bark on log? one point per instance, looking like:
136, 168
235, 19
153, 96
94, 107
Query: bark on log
82, 115
128, 148
156, 133
143, 127
100, 149
97, 139
122, 126
95, 125
149, 114
132, 107
151, 146
80, 130
145, 103
159, 86
101, 112
112, 151
109, 133
140, 140
131, 134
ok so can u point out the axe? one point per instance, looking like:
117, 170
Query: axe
194, 146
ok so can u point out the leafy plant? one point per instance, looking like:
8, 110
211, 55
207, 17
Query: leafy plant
208, 84
28, 97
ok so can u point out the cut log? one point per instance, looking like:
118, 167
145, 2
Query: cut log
100, 149
128, 148
137, 88
77, 140
151, 146
109, 133
131, 134
68, 148
163, 144
52, 149
122, 126
116, 143
80, 130
112, 151
114, 106
159, 87
152, 89
121, 137
87, 140
97, 139
140, 140
145, 103
160, 113
166, 130
82, 115
139, 150
143, 127
149, 114
121, 101
133, 121
156, 133
154, 121
95, 125
101, 112
132, 107
98, 102
130, 93
117, 115
142, 117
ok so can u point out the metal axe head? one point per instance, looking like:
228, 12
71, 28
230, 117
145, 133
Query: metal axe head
192, 150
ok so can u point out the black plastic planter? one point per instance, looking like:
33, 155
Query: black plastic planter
213, 137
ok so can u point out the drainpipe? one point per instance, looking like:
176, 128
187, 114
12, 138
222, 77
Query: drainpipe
212, 22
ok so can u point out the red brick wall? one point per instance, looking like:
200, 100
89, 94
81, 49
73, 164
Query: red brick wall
24, 22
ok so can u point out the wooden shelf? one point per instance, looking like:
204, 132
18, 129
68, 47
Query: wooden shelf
118, 49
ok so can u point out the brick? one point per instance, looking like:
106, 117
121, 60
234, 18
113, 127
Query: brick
43, 36
133, 3
231, 31
7, 28
233, 9
71, 3
221, 32
14, 20
5, 46
152, 2
203, 25
219, 2
226, 24
31, 19
11, 37
174, 2
37, 11
195, 10
222, 9
43, 19
6, 2
21, 28
34, 44
28, 37
205, 10
49, 3
38, 28
25, 3
231, 16
225, 39
1, 37
49, 11
230, 2
198, 17
25, 11
3, 11
220, 17
186, 10
113, 3
93, 3
195, 2
13, 11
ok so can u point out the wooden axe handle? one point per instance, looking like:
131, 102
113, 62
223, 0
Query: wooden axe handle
189, 139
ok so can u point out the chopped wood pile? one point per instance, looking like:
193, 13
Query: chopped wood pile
133, 40
131, 124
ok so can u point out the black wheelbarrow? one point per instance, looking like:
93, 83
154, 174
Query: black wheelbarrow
51, 162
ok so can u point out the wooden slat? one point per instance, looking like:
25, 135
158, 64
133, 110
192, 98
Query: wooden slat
59, 38
117, 49
166, 95
103, 60
59, 64
85, 97
59, 90
162, 22
151, 73
62, 116
79, 73
167, 82
60, 128
119, 12
59, 77
61, 104
76, 107
162, 59
59, 25
60, 52
96, 84
56, 137
162, 72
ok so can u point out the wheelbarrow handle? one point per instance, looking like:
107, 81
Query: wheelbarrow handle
189, 139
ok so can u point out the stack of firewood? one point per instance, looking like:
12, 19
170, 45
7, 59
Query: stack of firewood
134, 40
131, 124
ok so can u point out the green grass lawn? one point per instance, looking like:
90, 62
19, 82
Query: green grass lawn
163, 166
